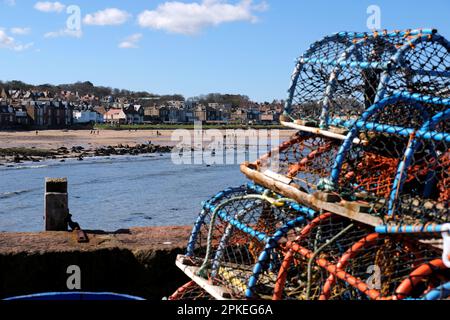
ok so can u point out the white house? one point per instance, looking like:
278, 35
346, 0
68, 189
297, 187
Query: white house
87, 115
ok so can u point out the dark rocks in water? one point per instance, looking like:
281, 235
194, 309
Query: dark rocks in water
63, 150
120, 149
77, 149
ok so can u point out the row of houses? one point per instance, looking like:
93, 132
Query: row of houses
212, 113
42, 110
62, 114
48, 114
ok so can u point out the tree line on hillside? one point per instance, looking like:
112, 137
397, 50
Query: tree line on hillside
84, 88
236, 100
87, 87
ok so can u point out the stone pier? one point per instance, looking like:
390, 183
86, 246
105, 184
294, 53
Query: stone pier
137, 261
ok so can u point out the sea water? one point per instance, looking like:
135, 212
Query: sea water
111, 193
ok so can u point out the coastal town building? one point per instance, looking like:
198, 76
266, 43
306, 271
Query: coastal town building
86, 114
46, 110
115, 116
21, 116
239, 116
50, 114
151, 114
134, 114
7, 116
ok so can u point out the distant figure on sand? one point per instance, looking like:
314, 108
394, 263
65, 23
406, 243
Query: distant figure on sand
37, 132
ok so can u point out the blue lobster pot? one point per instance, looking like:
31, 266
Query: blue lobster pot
75, 296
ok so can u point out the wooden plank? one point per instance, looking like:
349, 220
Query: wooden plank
327, 197
343, 208
217, 292
321, 132
277, 177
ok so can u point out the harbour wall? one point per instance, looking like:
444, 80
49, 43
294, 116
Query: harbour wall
136, 261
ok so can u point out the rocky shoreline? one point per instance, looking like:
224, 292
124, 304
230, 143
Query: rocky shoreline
12, 156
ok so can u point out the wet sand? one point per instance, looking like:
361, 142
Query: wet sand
54, 139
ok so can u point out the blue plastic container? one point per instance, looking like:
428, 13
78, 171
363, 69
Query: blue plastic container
74, 296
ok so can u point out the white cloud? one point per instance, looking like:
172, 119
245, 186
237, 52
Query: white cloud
11, 3
131, 41
191, 18
8, 42
110, 16
20, 31
64, 33
48, 6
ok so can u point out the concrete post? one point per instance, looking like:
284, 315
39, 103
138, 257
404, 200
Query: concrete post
56, 205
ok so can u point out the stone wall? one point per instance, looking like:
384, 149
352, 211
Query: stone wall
138, 261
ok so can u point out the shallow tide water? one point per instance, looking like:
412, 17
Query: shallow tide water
113, 193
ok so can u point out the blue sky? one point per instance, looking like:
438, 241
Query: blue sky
188, 47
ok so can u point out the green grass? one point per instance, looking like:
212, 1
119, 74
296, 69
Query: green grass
184, 126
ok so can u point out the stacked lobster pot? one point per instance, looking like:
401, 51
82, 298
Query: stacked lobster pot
354, 206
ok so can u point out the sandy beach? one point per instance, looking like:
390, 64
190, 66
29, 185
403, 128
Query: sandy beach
54, 139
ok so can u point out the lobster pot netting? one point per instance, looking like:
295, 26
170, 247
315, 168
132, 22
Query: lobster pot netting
234, 250
305, 158
199, 236
318, 77
286, 273
190, 291
425, 68
439, 293
402, 170
333, 258
380, 158
385, 267
341, 76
